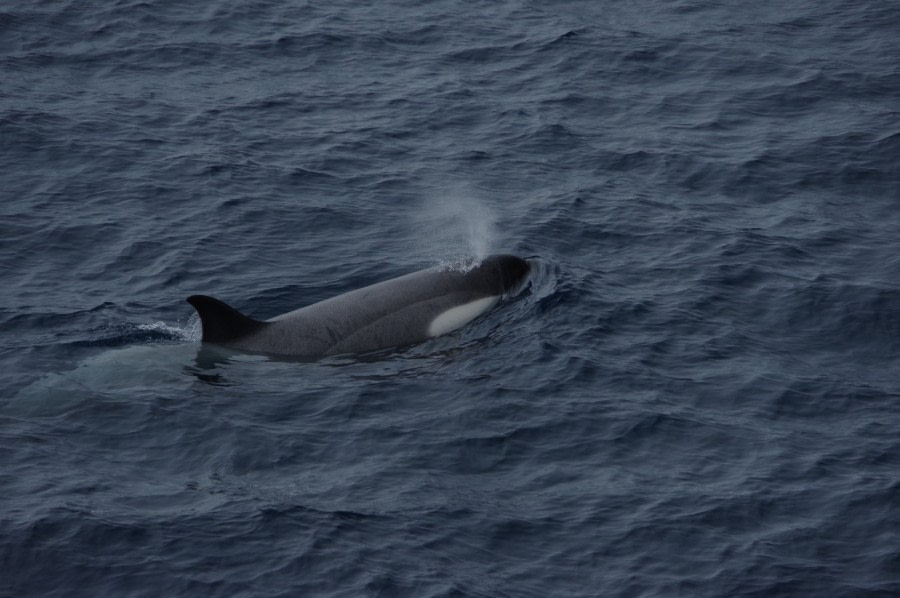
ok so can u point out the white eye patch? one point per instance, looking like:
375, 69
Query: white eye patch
460, 315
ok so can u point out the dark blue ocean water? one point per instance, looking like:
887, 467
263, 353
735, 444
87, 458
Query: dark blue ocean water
698, 394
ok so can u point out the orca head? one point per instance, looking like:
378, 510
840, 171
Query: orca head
503, 273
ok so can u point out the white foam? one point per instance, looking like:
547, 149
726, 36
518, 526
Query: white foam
463, 264
191, 332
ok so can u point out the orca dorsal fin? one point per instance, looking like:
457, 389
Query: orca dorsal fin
222, 323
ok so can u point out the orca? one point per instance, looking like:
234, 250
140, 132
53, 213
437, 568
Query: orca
394, 313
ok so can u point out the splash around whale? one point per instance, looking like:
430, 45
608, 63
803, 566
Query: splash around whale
394, 313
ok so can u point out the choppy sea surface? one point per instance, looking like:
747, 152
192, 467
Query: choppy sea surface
697, 394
